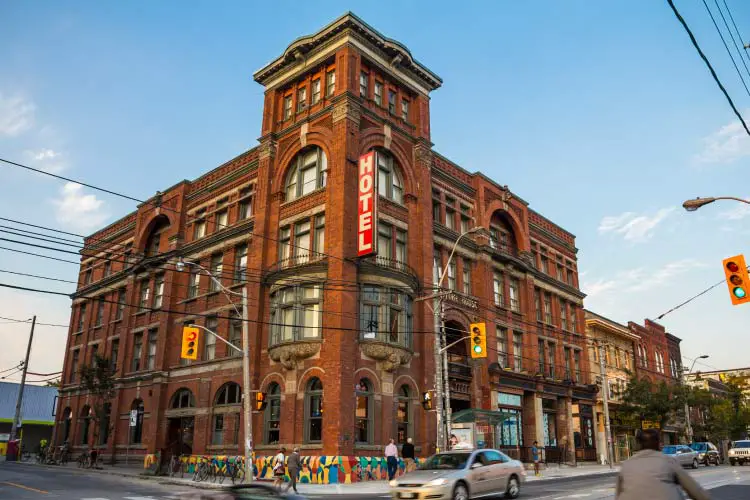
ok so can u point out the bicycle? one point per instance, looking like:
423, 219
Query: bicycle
236, 470
201, 470
83, 460
176, 466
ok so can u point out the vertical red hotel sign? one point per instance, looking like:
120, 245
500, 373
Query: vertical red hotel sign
367, 206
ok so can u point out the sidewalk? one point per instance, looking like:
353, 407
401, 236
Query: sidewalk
552, 472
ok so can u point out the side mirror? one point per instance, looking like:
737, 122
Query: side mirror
476, 465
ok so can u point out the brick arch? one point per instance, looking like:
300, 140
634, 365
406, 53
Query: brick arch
375, 138
272, 377
457, 316
371, 376
321, 137
519, 230
147, 228
307, 375
409, 381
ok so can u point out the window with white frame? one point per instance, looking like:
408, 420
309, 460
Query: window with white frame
466, 278
194, 282
363, 83
515, 295
452, 275
245, 203
287, 107
315, 91
209, 342
303, 241
386, 315
158, 291
307, 173
502, 346
379, 93
240, 263
296, 313
301, 99
390, 184
145, 292
216, 268
199, 224
498, 286
330, 83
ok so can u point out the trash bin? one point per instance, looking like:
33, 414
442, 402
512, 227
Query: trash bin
12, 452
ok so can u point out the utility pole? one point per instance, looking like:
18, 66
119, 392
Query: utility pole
19, 399
605, 392
437, 310
247, 403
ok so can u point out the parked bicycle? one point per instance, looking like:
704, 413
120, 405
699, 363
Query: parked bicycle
176, 466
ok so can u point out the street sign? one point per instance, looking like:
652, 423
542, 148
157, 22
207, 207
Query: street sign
650, 424
133, 418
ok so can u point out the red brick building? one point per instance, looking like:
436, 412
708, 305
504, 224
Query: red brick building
339, 344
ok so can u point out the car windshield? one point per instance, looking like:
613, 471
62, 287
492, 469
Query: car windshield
446, 461
699, 446
742, 444
669, 450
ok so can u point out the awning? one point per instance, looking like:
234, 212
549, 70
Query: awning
477, 415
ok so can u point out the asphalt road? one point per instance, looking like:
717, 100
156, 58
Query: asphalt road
38, 483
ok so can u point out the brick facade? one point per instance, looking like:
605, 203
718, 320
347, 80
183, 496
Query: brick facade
522, 281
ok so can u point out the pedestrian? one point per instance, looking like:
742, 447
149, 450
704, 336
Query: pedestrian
453, 442
651, 474
293, 465
391, 458
278, 468
535, 457
407, 453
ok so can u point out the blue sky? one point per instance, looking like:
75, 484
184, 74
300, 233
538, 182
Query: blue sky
600, 114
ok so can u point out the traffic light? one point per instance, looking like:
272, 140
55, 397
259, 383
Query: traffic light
478, 340
427, 400
260, 401
190, 336
738, 282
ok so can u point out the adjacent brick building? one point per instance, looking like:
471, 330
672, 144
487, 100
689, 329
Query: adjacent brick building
339, 344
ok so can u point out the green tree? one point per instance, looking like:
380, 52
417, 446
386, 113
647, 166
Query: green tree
645, 400
98, 381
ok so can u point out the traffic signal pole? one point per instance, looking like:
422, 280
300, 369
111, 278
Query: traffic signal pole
246, 403
605, 400
19, 398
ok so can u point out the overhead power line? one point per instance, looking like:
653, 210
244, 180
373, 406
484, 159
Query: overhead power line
739, 36
29, 321
721, 35
708, 64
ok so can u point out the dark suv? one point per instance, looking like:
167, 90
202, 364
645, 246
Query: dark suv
707, 453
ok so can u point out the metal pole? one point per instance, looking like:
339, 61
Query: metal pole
19, 399
440, 445
446, 377
246, 389
605, 391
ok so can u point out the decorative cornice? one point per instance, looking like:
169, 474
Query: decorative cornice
290, 354
389, 357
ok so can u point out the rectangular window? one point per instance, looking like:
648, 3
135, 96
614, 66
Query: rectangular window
545, 265
363, 77
385, 235
560, 272
577, 365
517, 351
113, 355
240, 263
235, 335
401, 245
515, 295
502, 346
392, 102
137, 351
99, 311
497, 288
195, 282
551, 357
284, 243
573, 318
120, 303
302, 242
245, 204
287, 107
311, 311
538, 304
320, 236
435, 211
627, 361
542, 357
217, 436
74, 366
452, 275
151, 352
617, 357
330, 83
209, 344
466, 278
494, 238
158, 291
548, 308
301, 99
94, 354
216, 268
465, 219
87, 277
568, 374
222, 220
571, 282
144, 296
379, 93
404, 109
199, 225
450, 218
563, 315
316, 91
107, 267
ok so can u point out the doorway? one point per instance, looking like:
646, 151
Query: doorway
180, 435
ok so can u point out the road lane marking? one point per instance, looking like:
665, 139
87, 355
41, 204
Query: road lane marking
24, 487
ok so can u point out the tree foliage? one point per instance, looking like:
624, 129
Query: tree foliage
719, 417
98, 380
645, 400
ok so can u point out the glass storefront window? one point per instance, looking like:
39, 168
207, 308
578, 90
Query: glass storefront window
550, 429
503, 398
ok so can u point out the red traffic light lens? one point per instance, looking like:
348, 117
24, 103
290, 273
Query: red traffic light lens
732, 266
735, 280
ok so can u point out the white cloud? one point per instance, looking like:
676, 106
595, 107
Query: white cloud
79, 210
48, 160
738, 212
638, 279
16, 115
726, 145
661, 276
43, 154
632, 226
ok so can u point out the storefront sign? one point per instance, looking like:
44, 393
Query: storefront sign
367, 206
650, 424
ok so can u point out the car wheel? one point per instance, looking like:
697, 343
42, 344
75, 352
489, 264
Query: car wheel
513, 489
460, 492
695, 463
732, 462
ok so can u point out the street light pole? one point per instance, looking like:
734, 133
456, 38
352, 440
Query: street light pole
605, 400
246, 392
693, 205
688, 426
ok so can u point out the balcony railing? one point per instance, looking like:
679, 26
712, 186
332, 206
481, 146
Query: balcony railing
300, 260
400, 338
458, 366
458, 387
391, 264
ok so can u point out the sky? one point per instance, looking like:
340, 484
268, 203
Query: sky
600, 114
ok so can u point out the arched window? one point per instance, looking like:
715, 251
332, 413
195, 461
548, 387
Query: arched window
314, 411
183, 398
390, 184
67, 421
364, 412
403, 414
136, 431
272, 415
228, 394
308, 171
154, 241
85, 418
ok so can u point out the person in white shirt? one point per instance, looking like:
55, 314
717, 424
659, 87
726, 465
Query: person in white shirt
391, 458
278, 468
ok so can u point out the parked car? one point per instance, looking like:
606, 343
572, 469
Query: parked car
685, 455
244, 492
707, 453
461, 475
739, 453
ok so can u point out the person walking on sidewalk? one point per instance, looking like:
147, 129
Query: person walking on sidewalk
535, 457
278, 468
653, 475
293, 465
391, 459
407, 453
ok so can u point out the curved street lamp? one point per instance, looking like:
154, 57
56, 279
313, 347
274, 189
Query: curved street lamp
688, 426
693, 205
